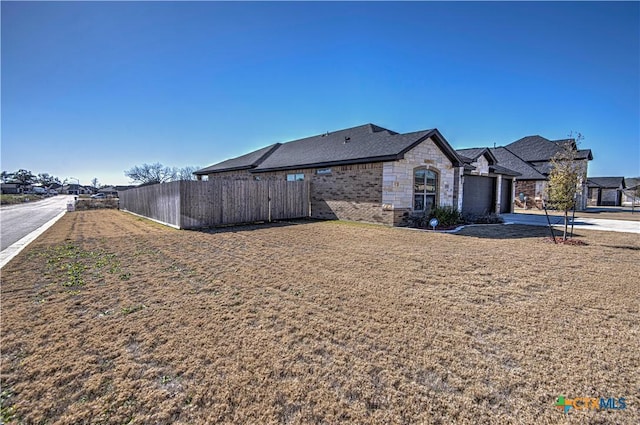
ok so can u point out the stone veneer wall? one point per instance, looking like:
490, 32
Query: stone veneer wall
482, 166
397, 178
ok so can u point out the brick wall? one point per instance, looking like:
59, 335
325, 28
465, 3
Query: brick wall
528, 187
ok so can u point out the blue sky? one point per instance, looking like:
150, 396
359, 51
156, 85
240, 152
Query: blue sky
90, 89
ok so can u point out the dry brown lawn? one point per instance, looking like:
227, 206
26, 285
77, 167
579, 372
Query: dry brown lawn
109, 318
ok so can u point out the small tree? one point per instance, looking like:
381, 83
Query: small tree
565, 179
151, 173
94, 182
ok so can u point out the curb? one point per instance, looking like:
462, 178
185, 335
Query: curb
12, 250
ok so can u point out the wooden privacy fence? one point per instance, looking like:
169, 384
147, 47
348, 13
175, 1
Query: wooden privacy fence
194, 204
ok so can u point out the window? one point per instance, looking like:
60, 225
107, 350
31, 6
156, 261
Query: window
425, 189
298, 177
323, 171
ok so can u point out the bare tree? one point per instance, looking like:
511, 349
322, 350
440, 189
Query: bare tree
186, 173
565, 178
152, 173
94, 182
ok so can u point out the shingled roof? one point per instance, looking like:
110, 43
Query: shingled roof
361, 144
537, 148
244, 162
606, 182
472, 154
511, 161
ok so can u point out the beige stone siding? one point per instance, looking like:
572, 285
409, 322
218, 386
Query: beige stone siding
397, 177
482, 166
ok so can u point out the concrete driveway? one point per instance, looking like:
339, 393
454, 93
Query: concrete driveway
579, 223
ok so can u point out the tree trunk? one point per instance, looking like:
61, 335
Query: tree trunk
566, 224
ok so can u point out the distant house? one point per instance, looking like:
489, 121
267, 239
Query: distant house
369, 173
75, 189
14, 188
109, 191
605, 191
530, 157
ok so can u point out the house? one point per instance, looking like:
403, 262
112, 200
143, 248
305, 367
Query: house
530, 157
75, 189
538, 152
605, 191
13, 188
365, 173
109, 191
487, 186
631, 192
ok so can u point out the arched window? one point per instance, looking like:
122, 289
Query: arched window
425, 189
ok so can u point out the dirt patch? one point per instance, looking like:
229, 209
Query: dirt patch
110, 318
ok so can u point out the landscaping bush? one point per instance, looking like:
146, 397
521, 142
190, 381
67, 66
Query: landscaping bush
447, 216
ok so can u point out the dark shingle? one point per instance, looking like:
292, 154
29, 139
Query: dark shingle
537, 148
365, 143
606, 182
244, 162
474, 153
511, 161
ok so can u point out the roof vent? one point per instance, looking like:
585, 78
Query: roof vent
347, 139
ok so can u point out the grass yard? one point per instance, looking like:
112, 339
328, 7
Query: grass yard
110, 318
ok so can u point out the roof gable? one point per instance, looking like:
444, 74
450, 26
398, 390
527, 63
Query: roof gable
474, 153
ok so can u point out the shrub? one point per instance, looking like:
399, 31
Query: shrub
447, 216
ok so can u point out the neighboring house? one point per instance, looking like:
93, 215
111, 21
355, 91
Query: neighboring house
530, 157
487, 186
537, 152
630, 194
109, 191
14, 188
75, 189
605, 191
365, 173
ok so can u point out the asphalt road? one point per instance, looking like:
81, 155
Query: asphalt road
17, 221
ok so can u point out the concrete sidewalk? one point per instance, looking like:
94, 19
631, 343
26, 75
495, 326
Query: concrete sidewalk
580, 223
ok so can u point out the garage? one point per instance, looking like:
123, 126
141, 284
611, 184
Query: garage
505, 196
478, 194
